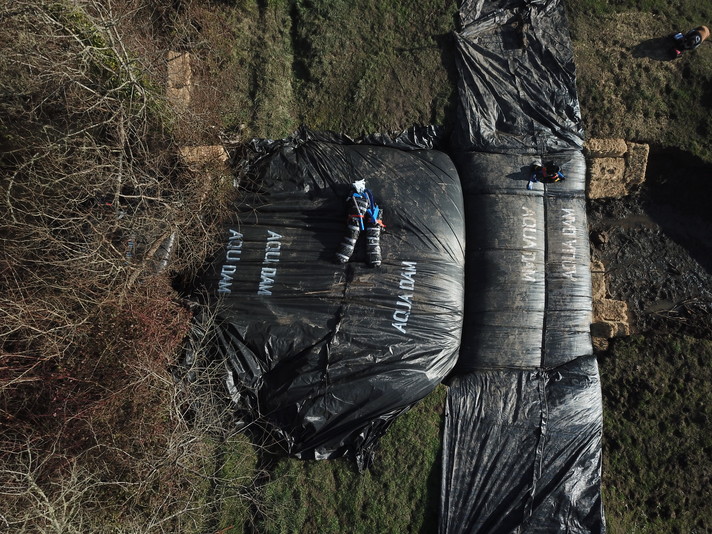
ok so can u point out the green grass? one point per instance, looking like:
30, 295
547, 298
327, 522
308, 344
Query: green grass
236, 465
625, 92
355, 67
399, 494
380, 64
367, 66
657, 439
244, 56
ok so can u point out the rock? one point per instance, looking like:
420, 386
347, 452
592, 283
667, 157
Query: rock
605, 148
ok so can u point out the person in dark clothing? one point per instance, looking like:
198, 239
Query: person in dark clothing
690, 40
363, 214
547, 173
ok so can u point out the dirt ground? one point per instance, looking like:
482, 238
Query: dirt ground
657, 247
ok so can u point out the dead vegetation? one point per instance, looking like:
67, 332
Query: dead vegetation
95, 199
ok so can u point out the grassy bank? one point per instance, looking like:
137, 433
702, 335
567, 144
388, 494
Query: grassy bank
656, 434
627, 85
400, 493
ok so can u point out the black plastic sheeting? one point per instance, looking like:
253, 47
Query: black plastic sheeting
528, 273
522, 436
522, 451
517, 78
330, 354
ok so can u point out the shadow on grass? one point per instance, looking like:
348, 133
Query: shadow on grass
659, 49
446, 44
434, 490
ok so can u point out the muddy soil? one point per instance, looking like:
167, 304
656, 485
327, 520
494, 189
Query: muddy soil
656, 246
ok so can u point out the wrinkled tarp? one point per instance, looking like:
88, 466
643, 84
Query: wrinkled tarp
329, 354
528, 297
522, 436
523, 451
517, 78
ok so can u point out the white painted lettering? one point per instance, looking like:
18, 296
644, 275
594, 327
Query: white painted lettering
232, 256
568, 248
529, 229
399, 326
273, 251
528, 266
272, 257
405, 300
404, 304
401, 316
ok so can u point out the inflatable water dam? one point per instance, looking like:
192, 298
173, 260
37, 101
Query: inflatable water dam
329, 353
484, 282
522, 437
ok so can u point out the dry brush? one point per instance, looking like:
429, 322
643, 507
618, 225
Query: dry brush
95, 200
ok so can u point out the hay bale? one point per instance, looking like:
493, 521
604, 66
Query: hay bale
606, 178
610, 319
598, 280
610, 310
605, 148
180, 79
636, 164
203, 156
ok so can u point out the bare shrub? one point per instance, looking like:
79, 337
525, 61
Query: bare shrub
93, 436
91, 183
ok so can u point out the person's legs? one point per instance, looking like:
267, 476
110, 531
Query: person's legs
373, 245
346, 248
